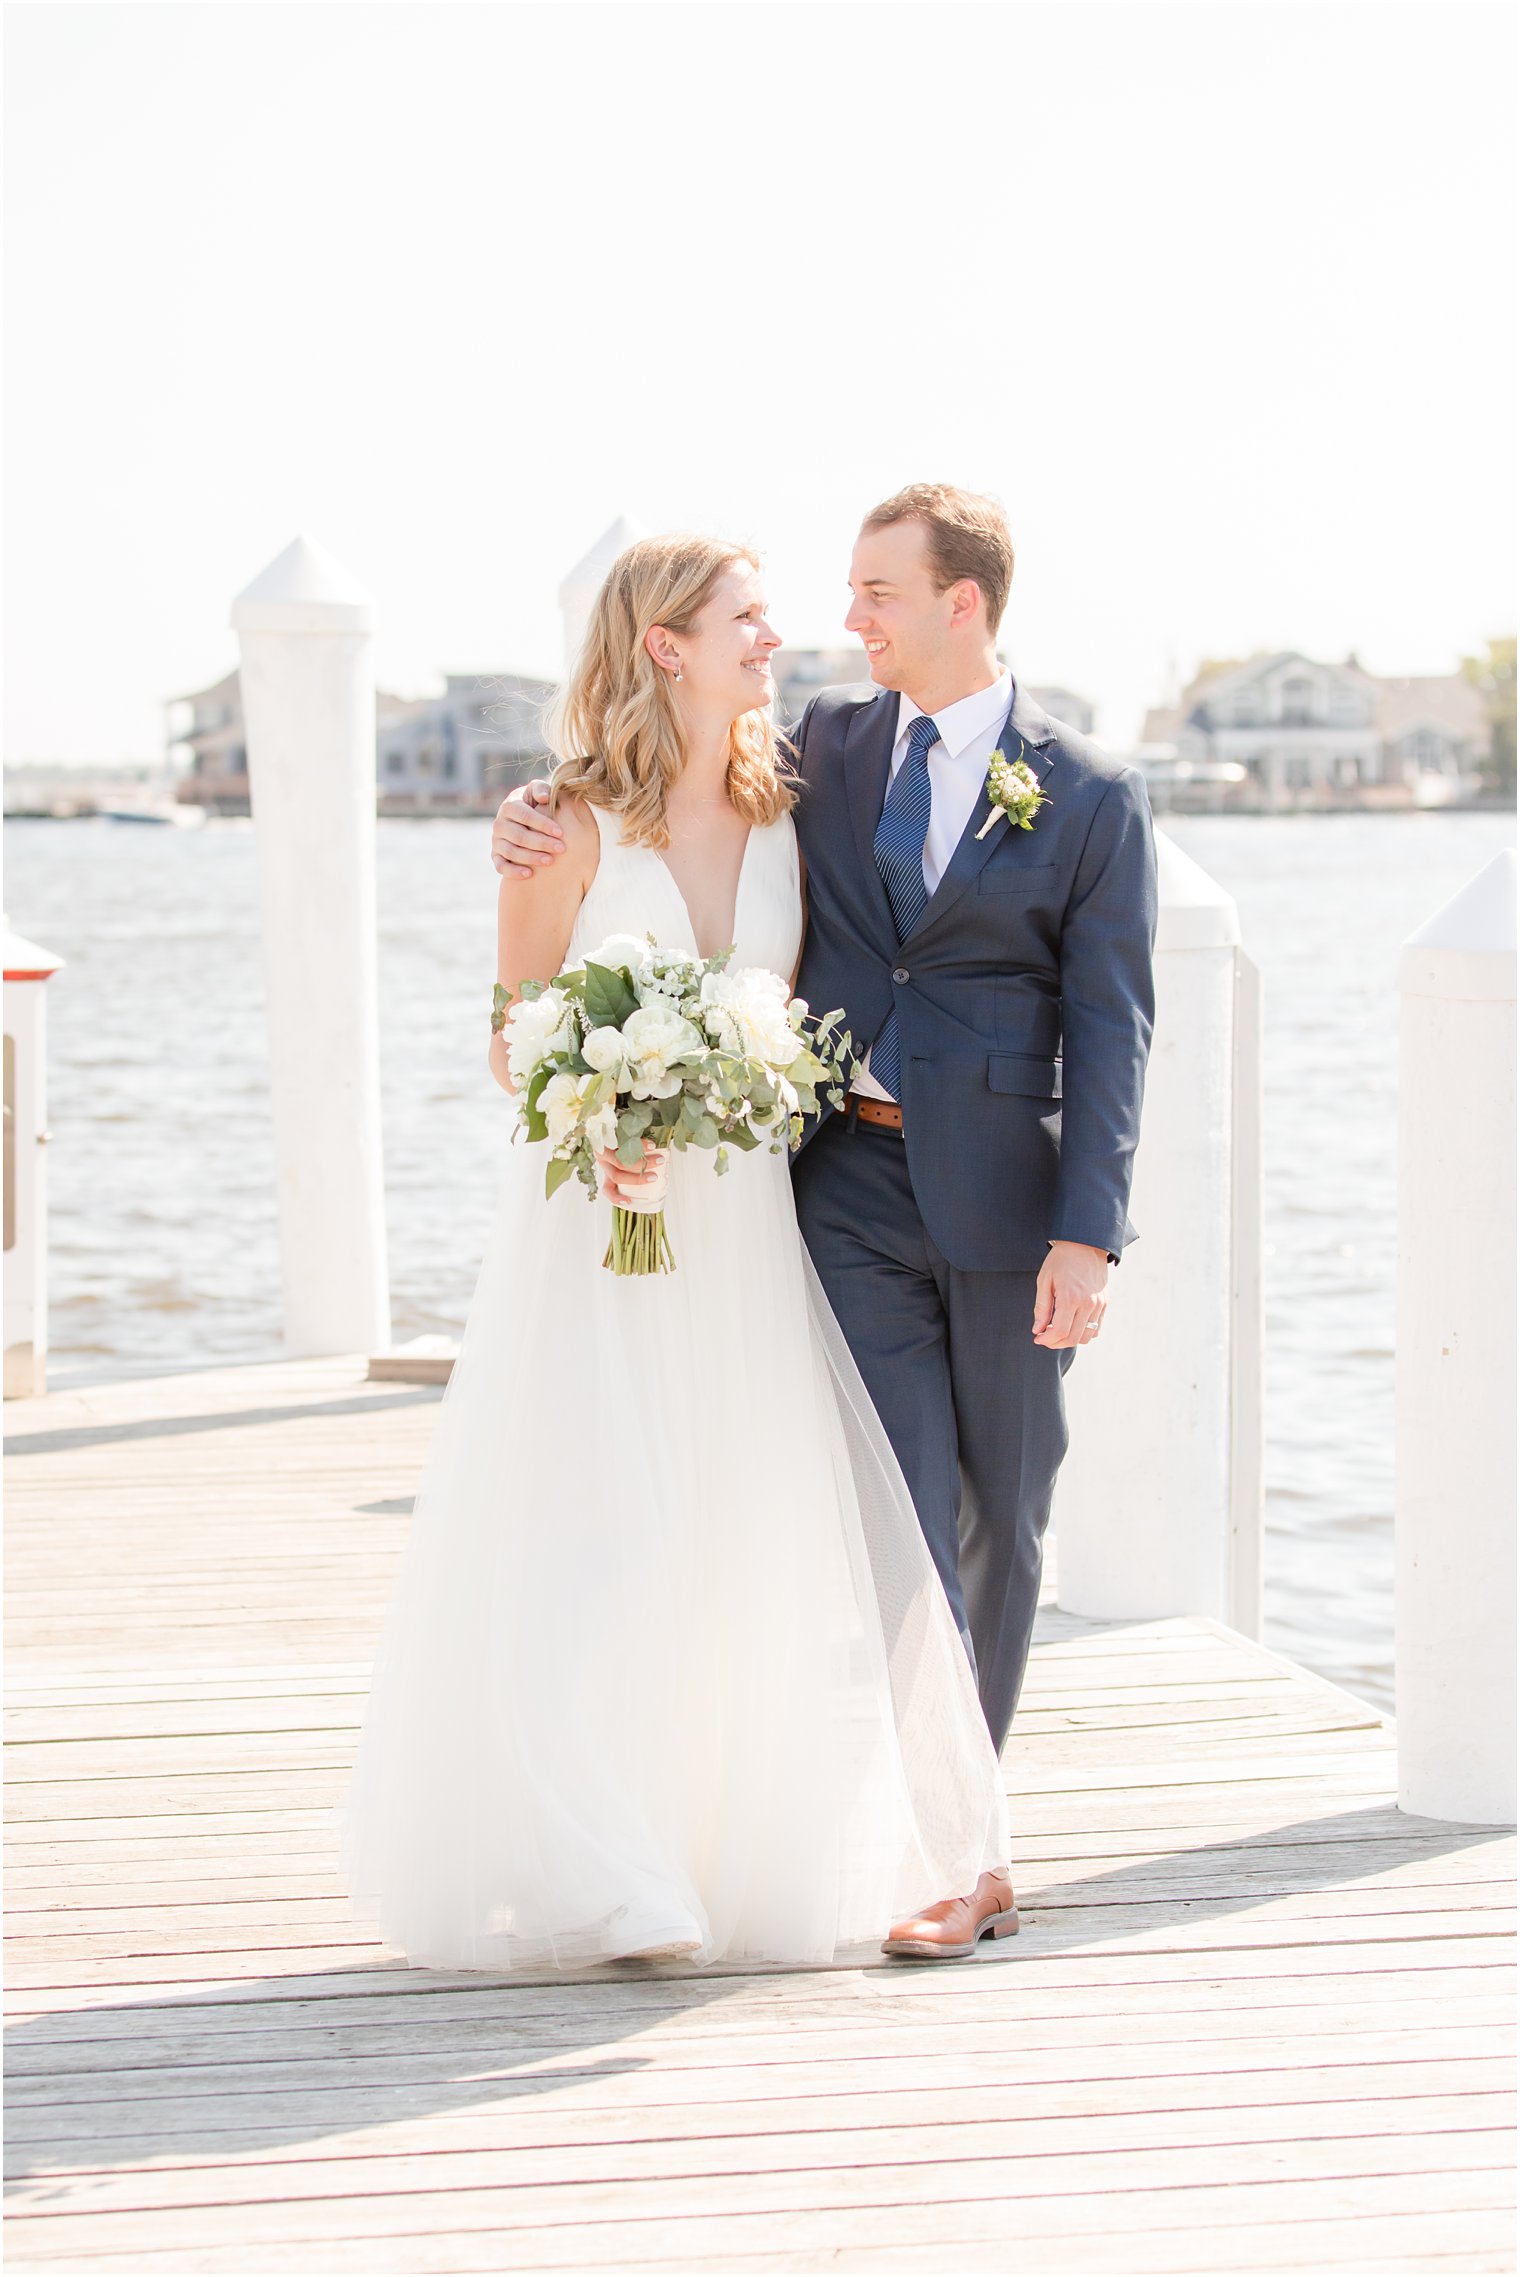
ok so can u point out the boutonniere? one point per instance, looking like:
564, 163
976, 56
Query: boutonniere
1014, 790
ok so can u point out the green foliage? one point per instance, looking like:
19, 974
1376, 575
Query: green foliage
609, 996
723, 1100
1493, 676
533, 1119
1014, 790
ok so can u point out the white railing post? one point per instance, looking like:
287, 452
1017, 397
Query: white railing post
1158, 1508
308, 690
581, 585
1248, 1315
1454, 1497
27, 970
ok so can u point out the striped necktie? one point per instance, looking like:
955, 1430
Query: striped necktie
899, 849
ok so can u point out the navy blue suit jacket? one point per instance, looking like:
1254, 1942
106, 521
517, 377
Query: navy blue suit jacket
1024, 992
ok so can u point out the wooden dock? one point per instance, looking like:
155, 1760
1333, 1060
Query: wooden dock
1257, 2018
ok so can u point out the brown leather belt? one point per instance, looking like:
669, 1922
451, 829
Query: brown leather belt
881, 1113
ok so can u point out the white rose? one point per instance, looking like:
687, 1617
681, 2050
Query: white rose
535, 1030
656, 1040
604, 1050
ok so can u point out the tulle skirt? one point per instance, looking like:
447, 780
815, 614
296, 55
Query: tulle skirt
667, 1662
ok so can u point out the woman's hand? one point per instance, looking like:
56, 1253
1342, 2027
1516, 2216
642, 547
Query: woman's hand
635, 1189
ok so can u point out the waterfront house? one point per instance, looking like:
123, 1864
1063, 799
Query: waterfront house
206, 729
451, 753
801, 672
460, 752
1286, 731
1062, 704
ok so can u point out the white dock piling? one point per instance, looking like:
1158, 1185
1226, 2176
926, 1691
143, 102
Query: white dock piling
580, 586
308, 690
27, 969
1454, 1502
1159, 1506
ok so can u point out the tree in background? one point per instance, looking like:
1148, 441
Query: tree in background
1493, 676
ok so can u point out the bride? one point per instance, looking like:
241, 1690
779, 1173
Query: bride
667, 1669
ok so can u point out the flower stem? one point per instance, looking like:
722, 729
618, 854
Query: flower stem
639, 1243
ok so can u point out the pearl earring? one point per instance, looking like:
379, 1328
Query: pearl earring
680, 675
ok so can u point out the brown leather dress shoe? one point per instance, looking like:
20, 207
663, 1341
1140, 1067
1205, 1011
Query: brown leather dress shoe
952, 1930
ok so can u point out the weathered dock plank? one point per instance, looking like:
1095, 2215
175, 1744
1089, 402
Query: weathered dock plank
1257, 2018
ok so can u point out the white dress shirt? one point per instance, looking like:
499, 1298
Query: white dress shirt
958, 763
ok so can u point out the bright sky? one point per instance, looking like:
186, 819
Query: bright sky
1216, 297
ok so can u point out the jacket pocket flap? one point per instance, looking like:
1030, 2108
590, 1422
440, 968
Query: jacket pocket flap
1029, 1072
1016, 877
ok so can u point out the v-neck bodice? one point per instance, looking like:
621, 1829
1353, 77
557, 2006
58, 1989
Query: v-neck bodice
635, 891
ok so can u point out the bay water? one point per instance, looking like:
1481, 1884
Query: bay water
161, 1170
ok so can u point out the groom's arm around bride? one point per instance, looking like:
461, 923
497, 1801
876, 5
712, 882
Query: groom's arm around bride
963, 1212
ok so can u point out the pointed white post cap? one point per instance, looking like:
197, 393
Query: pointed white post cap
585, 579
1195, 911
23, 959
303, 590
1466, 949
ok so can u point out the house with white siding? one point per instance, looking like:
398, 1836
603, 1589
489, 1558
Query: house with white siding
1284, 731
456, 752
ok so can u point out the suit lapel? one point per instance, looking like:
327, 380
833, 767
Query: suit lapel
869, 737
1027, 734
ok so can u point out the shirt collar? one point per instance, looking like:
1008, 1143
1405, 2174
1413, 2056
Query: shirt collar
962, 722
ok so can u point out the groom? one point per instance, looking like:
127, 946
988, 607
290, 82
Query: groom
965, 1208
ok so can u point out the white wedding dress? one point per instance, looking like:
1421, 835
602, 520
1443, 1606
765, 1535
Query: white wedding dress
667, 1662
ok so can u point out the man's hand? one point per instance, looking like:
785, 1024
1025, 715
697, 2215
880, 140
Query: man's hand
1071, 1295
524, 837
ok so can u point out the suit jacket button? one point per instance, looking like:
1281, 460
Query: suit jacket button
901, 975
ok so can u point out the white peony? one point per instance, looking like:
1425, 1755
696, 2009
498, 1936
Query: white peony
559, 1103
602, 1130
657, 1040
746, 1012
621, 949
562, 1104
535, 1030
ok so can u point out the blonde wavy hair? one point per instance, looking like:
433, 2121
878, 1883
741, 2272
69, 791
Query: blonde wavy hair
616, 731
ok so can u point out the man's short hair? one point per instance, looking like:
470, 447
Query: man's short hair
967, 536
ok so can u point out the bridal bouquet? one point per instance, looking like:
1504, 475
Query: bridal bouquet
640, 1043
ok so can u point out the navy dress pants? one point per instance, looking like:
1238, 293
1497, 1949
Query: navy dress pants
974, 1408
